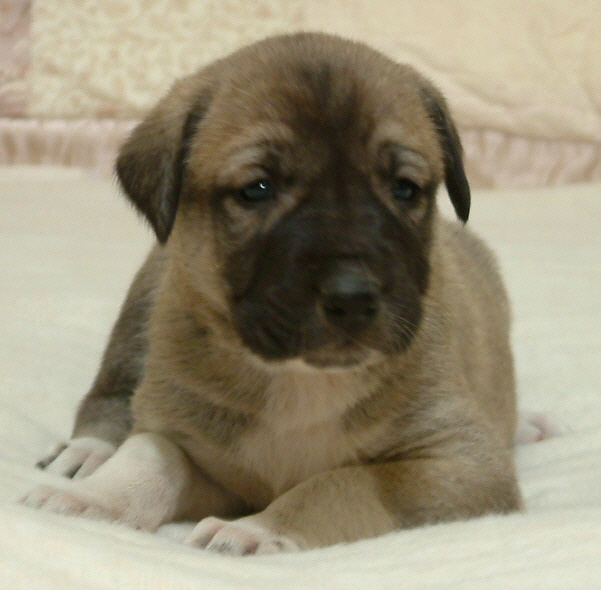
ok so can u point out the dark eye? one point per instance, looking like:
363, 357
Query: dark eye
261, 190
404, 190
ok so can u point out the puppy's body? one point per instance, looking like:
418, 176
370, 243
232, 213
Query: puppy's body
315, 346
266, 428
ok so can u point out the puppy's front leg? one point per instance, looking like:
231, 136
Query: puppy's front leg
103, 420
357, 502
332, 507
147, 482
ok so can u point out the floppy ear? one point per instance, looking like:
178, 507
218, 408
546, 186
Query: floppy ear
151, 163
454, 172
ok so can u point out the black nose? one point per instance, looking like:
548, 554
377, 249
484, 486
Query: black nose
350, 299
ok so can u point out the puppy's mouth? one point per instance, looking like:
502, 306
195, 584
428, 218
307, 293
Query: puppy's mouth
349, 356
274, 341
319, 351
336, 326
314, 340
344, 320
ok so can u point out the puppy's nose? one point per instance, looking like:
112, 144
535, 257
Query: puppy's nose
349, 299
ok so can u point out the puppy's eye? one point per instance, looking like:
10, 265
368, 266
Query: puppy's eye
404, 190
255, 192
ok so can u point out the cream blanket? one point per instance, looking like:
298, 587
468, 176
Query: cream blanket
68, 248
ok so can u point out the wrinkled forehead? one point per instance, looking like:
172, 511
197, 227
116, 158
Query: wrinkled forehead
322, 103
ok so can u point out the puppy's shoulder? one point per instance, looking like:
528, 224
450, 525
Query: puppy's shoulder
464, 254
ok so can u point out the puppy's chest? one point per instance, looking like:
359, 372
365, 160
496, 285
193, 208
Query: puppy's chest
301, 431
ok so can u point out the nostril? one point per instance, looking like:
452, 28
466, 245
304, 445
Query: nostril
357, 304
350, 300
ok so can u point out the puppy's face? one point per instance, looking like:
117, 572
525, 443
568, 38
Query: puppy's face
305, 171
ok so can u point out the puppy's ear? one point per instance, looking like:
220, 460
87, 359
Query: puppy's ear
454, 172
151, 163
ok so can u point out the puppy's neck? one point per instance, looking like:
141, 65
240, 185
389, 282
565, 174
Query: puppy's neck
299, 396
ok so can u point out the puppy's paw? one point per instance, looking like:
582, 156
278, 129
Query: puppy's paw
238, 537
73, 500
535, 427
79, 458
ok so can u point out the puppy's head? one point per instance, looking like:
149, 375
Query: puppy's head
295, 181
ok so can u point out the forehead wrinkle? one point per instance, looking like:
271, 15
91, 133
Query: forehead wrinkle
244, 148
398, 141
273, 132
406, 161
246, 160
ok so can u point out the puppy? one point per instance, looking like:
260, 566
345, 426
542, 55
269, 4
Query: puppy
313, 355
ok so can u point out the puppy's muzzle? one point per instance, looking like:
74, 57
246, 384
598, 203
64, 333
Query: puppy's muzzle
349, 299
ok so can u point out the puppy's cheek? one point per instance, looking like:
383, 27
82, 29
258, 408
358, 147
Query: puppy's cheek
273, 331
395, 331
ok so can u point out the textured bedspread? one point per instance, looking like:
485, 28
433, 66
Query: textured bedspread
68, 247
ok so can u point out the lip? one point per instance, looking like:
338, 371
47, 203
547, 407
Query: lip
342, 357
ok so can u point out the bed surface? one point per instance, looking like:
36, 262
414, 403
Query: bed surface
68, 248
